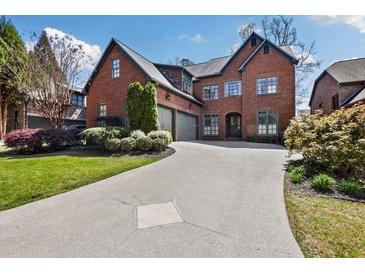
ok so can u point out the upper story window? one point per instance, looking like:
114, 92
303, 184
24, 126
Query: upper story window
102, 110
267, 123
335, 102
210, 92
187, 83
232, 88
253, 42
266, 85
211, 124
266, 49
115, 68
77, 100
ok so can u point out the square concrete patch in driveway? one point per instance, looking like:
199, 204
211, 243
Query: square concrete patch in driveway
157, 214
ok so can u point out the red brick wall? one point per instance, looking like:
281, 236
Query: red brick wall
173, 74
325, 89
282, 102
113, 92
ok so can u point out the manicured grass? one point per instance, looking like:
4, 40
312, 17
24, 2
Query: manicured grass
24, 179
327, 227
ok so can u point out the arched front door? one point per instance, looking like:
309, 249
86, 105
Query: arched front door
233, 123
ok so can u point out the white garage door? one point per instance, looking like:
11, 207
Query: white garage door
165, 118
186, 127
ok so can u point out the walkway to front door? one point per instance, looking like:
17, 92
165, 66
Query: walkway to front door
233, 122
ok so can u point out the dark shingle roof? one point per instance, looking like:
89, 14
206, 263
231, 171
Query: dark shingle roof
212, 67
348, 70
356, 98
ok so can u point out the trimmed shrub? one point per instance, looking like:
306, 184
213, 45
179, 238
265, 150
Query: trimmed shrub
127, 144
332, 144
142, 106
137, 134
349, 187
41, 140
99, 135
323, 182
297, 174
144, 143
161, 134
158, 144
113, 144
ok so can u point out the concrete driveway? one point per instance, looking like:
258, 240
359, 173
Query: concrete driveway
214, 199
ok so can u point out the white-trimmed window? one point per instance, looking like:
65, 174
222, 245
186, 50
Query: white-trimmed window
267, 123
210, 92
266, 85
233, 89
101, 114
77, 100
115, 68
211, 124
187, 83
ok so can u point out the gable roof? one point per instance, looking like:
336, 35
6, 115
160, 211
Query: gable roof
144, 64
285, 50
345, 71
356, 98
216, 66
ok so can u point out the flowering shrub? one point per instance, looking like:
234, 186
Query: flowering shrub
333, 143
158, 144
127, 144
99, 135
112, 144
161, 134
144, 143
41, 140
137, 134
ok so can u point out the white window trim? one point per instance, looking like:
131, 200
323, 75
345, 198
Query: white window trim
208, 86
266, 85
226, 94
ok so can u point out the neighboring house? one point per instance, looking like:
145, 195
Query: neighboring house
342, 84
249, 93
25, 116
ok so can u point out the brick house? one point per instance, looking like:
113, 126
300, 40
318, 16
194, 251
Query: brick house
249, 93
342, 84
23, 116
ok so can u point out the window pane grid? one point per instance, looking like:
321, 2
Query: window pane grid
210, 92
233, 89
211, 124
266, 85
267, 123
187, 83
115, 68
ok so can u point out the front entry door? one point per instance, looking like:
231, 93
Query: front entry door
234, 125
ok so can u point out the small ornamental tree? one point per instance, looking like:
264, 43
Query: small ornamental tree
142, 107
334, 143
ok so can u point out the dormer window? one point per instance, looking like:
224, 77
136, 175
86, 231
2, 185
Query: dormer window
115, 68
187, 83
266, 49
253, 42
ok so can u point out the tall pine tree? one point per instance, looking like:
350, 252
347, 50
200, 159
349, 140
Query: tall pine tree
13, 62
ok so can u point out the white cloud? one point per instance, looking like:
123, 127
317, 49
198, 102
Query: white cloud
91, 54
183, 36
356, 21
235, 47
198, 38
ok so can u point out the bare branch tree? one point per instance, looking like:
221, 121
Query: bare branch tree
246, 30
55, 70
280, 30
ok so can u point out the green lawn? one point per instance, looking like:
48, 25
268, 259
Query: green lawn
327, 227
24, 179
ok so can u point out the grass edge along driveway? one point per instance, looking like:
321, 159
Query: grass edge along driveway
25, 179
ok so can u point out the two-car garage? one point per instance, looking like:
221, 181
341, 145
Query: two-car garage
185, 126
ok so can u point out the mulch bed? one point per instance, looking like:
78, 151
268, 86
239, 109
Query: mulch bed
305, 188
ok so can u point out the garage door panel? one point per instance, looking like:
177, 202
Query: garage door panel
165, 118
186, 127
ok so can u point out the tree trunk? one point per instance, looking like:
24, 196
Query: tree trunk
4, 114
1, 121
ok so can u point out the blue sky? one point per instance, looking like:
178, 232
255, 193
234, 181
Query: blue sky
199, 38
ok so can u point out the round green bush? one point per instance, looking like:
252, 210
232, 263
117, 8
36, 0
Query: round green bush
161, 134
323, 182
99, 135
144, 143
113, 144
158, 144
137, 134
127, 144
353, 188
